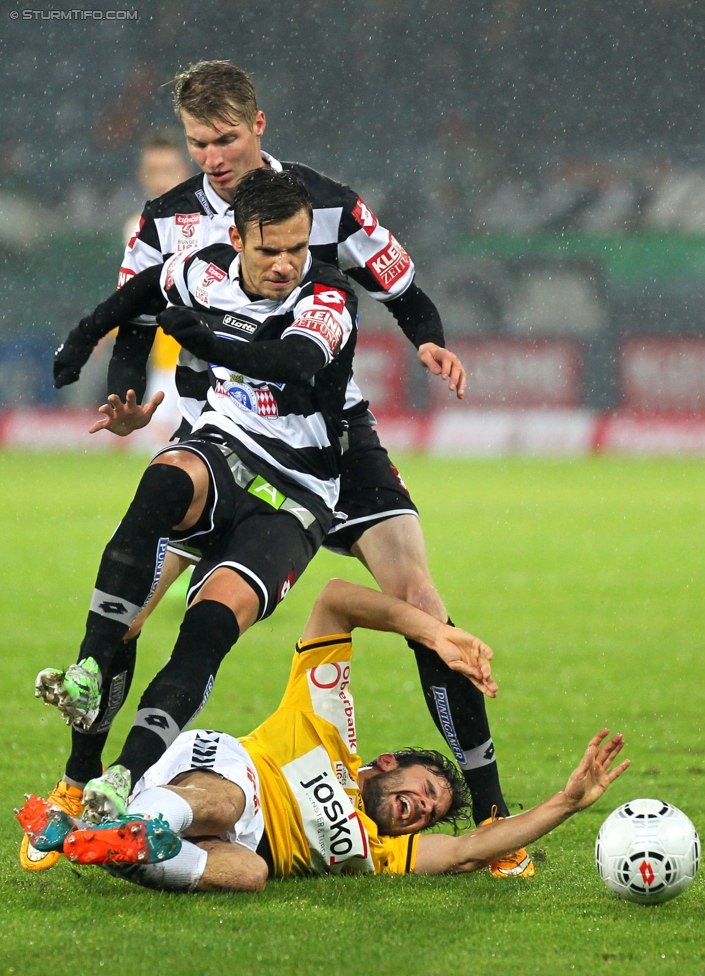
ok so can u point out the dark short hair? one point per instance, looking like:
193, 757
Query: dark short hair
165, 140
438, 764
265, 197
215, 91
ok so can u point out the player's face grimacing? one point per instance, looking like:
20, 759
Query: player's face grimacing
225, 152
272, 259
406, 799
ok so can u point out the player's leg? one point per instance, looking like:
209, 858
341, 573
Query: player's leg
172, 494
384, 532
395, 553
241, 579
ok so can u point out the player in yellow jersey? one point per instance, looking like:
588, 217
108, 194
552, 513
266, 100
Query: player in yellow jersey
293, 796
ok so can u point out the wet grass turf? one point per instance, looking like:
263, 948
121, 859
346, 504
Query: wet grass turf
587, 579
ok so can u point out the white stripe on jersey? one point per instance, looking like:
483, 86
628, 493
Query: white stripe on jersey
326, 222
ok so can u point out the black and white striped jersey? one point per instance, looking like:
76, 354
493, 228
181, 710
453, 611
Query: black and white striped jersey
286, 432
345, 232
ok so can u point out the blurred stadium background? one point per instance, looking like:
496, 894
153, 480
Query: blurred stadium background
543, 164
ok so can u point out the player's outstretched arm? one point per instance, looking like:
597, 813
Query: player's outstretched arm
438, 854
122, 418
342, 606
444, 363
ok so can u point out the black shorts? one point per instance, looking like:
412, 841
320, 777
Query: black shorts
269, 548
371, 489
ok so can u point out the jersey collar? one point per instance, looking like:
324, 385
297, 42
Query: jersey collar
271, 161
216, 203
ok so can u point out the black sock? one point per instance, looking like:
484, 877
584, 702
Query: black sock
85, 761
181, 689
132, 561
458, 709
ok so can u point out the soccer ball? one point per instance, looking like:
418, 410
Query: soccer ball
647, 851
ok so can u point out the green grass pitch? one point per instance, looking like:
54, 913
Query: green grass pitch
585, 576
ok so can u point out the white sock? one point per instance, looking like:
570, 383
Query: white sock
157, 800
181, 873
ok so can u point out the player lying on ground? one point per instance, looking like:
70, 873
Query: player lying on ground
293, 797
217, 106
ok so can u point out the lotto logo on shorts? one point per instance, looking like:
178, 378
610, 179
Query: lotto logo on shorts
330, 297
286, 586
324, 325
390, 264
124, 276
365, 218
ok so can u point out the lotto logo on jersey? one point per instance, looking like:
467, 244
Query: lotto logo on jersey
328, 686
390, 264
136, 234
330, 297
324, 325
365, 218
124, 276
187, 228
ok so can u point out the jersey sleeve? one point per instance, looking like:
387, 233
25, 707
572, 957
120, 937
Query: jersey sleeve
394, 855
143, 248
325, 315
370, 253
174, 280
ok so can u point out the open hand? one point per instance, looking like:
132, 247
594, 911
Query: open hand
589, 781
470, 656
122, 418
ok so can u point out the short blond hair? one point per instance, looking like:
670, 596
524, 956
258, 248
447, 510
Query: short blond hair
215, 91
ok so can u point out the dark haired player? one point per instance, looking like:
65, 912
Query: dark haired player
293, 797
253, 488
217, 106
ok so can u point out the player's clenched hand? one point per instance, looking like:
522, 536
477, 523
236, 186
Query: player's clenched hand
470, 656
73, 354
122, 418
188, 328
444, 363
589, 781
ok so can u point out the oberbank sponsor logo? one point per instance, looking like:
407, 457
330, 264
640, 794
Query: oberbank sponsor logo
440, 697
328, 686
334, 831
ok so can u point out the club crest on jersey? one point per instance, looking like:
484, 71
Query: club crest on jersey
364, 216
187, 228
390, 264
322, 324
248, 398
329, 297
210, 276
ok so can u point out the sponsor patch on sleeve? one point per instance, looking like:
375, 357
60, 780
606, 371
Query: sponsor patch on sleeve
329, 297
169, 277
364, 216
135, 234
210, 276
323, 324
124, 276
389, 264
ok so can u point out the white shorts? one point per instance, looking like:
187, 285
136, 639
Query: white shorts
200, 750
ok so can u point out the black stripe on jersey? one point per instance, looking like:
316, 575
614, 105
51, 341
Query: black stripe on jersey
410, 852
319, 644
